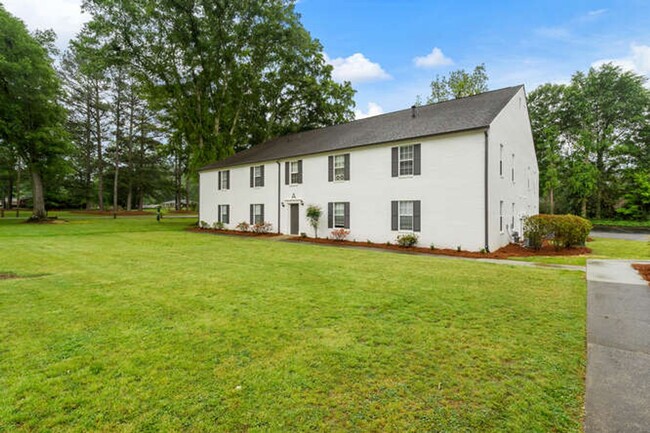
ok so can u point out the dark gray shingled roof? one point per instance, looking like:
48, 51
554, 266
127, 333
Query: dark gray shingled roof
457, 115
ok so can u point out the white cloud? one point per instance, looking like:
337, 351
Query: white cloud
432, 60
374, 109
638, 60
596, 12
63, 16
356, 68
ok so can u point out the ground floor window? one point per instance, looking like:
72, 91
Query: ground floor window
339, 215
406, 215
257, 214
501, 216
224, 213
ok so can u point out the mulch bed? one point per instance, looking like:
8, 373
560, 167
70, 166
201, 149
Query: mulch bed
512, 250
232, 232
644, 270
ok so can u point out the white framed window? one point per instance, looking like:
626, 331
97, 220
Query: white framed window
258, 213
224, 179
224, 213
512, 169
406, 160
512, 221
294, 167
258, 176
339, 215
501, 216
405, 216
501, 160
339, 167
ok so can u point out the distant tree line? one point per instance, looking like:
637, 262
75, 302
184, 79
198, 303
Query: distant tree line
592, 138
149, 92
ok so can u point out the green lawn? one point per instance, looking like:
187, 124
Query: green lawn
130, 325
601, 248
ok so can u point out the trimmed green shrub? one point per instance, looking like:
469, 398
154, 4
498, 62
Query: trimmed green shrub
407, 240
562, 231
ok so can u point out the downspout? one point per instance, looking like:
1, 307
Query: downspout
279, 196
198, 203
487, 195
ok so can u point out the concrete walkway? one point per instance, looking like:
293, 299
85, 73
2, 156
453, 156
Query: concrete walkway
620, 235
618, 348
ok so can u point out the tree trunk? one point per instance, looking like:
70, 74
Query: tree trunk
100, 161
551, 196
18, 190
583, 210
129, 196
38, 196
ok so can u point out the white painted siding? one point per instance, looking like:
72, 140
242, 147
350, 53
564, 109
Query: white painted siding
450, 189
511, 128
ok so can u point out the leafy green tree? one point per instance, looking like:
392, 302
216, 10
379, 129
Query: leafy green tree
548, 107
458, 84
608, 111
230, 74
33, 120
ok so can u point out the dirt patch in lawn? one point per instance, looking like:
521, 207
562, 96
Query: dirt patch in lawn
512, 250
644, 270
232, 232
8, 276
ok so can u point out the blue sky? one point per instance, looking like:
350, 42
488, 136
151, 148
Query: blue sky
520, 42
375, 43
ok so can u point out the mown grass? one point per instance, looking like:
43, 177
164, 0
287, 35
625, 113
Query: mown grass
131, 325
601, 248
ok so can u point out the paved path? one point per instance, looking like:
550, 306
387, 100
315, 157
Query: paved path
620, 235
618, 348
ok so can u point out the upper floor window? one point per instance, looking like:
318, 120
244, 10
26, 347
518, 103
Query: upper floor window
293, 172
512, 170
406, 160
501, 160
257, 176
338, 168
224, 179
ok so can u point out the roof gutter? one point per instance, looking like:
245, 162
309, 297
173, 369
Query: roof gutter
487, 195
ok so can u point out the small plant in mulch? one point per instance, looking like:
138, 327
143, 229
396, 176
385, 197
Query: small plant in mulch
407, 240
218, 225
260, 228
340, 234
243, 226
313, 216
204, 225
